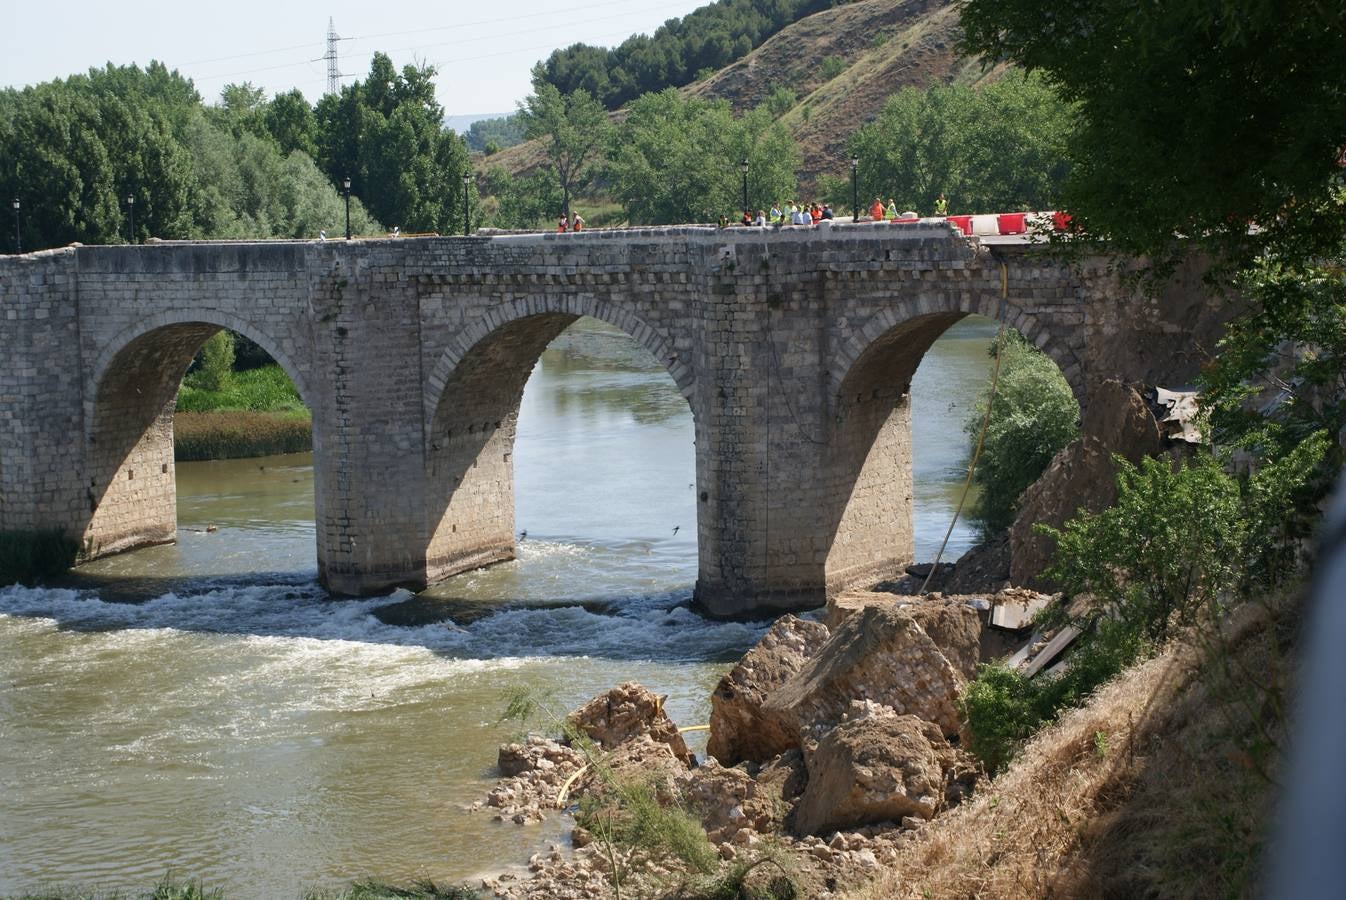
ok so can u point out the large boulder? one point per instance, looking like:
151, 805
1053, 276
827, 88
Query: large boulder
1082, 475
880, 654
626, 713
955, 627
737, 729
875, 768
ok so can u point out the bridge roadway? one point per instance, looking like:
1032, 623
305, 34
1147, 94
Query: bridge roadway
794, 347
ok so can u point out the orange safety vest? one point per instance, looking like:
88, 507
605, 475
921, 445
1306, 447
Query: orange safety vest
876, 211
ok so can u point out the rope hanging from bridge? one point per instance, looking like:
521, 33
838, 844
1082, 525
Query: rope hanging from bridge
985, 423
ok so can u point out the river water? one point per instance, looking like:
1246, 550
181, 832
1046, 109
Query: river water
203, 707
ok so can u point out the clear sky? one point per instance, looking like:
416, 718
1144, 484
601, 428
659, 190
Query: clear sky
483, 50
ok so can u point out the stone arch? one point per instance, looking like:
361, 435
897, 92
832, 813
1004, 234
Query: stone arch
298, 374
869, 525
129, 405
659, 346
472, 412
890, 315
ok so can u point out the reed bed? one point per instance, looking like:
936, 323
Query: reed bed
235, 434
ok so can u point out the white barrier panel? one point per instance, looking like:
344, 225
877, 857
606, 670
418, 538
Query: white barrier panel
989, 224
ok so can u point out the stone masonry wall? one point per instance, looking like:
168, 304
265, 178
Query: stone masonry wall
795, 350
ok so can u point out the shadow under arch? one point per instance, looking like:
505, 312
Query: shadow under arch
472, 410
129, 407
869, 525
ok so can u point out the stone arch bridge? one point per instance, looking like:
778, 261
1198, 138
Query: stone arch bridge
794, 348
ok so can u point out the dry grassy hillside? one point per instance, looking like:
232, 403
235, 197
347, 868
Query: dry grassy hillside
1160, 786
841, 64
884, 46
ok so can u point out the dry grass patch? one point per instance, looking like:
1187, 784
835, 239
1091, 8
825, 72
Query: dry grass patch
1158, 787
235, 434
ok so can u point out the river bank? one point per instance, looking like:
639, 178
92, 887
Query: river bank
248, 413
240, 434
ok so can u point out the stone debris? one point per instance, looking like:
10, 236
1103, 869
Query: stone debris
738, 730
534, 772
843, 745
953, 623
877, 767
880, 654
627, 711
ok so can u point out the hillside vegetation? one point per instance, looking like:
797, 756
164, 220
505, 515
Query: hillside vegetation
704, 40
826, 75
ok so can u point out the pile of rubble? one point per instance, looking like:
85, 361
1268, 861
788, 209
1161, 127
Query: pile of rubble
830, 742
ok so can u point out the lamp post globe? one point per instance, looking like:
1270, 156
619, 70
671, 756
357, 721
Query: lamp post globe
855, 188
467, 179
18, 237
131, 206
346, 185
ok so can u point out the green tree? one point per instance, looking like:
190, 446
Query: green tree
991, 149
576, 129
1195, 118
1034, 414
291, 123
385, 134
217, 362
527, 201
502, 132
678, 159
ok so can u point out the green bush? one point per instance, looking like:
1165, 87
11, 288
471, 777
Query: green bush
1180, 545
1169, 547
1003, 709
265, 389
1033, 416
833, 66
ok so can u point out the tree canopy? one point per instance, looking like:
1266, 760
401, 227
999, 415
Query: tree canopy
576, 130
707, 38
73, 150
385, 134
1196, 120
1196, 116
678, 159
997, 148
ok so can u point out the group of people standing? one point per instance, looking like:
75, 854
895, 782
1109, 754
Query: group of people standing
878, 212
812, 213
791, 214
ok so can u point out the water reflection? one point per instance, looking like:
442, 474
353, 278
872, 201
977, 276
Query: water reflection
594, 368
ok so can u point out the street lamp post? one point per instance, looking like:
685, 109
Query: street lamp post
855, 188
467, 179
18, 237
347, 185
744, 166
131, 206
